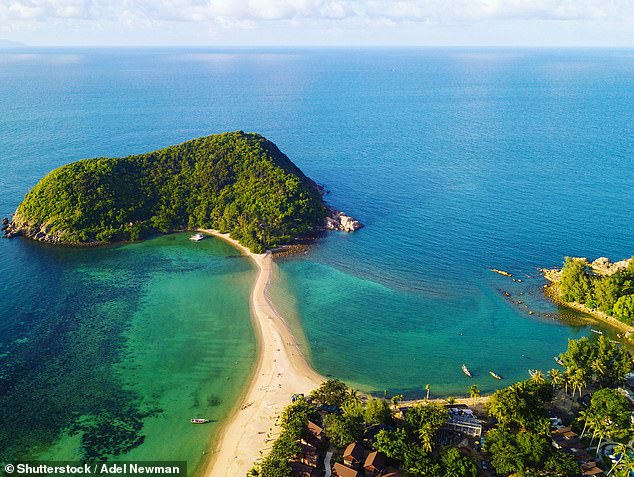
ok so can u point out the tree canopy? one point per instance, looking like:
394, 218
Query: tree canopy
608, 415
234, 182
613, 294
602, 362
331, 392
520, 405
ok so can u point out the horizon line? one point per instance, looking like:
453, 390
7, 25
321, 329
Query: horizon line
18, 45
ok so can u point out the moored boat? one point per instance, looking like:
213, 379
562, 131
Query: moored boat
596, 331
495, 375
466, 370
558, 360
197, 238
199, 420
532, 372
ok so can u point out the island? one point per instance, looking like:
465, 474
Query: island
238, 183
601, 288
238, 187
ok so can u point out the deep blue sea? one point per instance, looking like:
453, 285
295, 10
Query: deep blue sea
457, 161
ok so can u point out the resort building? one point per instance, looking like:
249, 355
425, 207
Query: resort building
463, 421
308, 460
341, 470
564, 438
374, 464
308, 455
353, 455
315, 435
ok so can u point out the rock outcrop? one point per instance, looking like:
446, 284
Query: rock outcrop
17, 228
602, 266
337, 220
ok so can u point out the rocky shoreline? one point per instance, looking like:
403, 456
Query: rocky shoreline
602, 266
15, 228
335, 220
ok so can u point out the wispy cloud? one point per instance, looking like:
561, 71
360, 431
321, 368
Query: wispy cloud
342, 22
236, 12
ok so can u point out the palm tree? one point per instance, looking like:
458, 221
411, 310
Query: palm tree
578, 381
352, 395
586, 417
426, 436
566, 381
599, 368
427, 388
556, 378
451, 400
538, 377
625, 465
474, 392
396, 399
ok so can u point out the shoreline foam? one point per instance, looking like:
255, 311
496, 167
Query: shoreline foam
281, 371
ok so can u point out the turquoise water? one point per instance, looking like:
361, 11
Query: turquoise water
456, 160
109, 352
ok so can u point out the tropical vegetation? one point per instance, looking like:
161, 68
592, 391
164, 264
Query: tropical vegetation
611, 294
517, 443
233, 182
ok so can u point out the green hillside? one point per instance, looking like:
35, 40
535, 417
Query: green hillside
234, 182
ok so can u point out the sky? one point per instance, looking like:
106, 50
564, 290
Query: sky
541, 23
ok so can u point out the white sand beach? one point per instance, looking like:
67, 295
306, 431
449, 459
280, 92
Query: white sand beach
281, 370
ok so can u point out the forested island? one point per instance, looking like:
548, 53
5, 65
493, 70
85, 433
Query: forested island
235, 182
602, 288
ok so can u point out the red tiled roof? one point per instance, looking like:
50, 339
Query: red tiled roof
375, 460
342, 471
354, 451
314, 429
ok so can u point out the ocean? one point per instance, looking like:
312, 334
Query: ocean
456, 160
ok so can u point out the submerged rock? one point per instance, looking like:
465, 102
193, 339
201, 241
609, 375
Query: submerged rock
502, 272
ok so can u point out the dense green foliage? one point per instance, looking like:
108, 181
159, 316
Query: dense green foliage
424, 421
520, 442
608, 415
521, 406
613, 295
377, 411
561, 464
332, 392
293, 423
454, 464
342, 429
527, 453
601, 362
515, 452
234, 182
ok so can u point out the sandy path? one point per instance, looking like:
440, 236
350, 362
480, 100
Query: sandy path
281, 371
